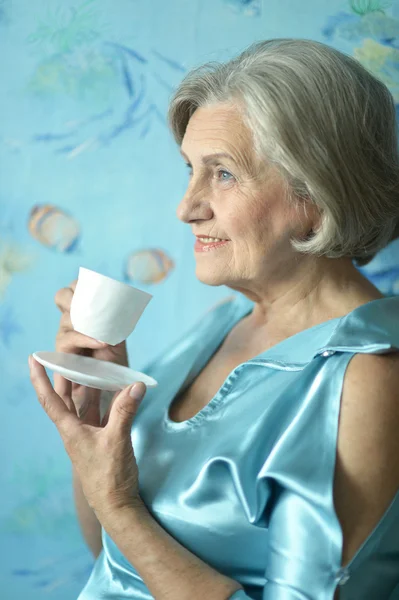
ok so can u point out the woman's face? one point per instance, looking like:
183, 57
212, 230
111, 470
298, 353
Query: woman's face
233, 196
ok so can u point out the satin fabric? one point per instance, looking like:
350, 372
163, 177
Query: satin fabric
247, 483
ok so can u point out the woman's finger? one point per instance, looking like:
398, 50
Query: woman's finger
105, 418
62, 386
124, 409
73, 342
63, 299
89, 409
65, 321
72, 285
51, 402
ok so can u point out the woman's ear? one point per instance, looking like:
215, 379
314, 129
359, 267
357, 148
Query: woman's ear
311, 218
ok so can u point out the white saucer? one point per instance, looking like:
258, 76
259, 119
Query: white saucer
91, 372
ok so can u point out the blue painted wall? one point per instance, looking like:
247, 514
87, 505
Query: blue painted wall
90, 175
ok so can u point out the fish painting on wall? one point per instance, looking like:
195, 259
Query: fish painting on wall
375, 34
249, 8
149, 266
54, 228
77, 61
12, 260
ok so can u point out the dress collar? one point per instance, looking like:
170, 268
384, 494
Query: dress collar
370, 328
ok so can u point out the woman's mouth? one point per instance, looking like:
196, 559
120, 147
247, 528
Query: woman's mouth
207, 244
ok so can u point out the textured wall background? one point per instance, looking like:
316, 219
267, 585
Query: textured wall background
90, 176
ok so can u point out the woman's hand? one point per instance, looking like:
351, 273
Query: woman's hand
85, 400
103, 457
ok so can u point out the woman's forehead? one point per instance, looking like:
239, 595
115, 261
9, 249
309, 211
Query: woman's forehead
221, 118
216, 130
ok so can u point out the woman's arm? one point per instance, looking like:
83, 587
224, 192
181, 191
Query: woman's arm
367, 466
169, 570
89, 524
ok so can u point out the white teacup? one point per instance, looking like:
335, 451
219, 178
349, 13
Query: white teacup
105, 309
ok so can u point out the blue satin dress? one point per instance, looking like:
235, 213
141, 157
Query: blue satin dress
247, 483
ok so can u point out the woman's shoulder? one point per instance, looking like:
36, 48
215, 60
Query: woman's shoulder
371, 328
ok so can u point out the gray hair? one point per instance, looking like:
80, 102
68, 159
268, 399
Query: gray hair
327, 124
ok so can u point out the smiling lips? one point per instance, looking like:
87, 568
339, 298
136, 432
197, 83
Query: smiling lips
204, 239
205, 244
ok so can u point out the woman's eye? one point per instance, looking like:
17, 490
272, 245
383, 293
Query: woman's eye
221, 174
224, 175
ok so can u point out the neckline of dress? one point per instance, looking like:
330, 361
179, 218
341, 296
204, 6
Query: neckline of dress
240, 307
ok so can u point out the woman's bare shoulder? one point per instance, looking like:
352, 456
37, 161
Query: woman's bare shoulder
367, 466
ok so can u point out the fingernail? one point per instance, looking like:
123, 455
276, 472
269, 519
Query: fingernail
135, 392
30, 361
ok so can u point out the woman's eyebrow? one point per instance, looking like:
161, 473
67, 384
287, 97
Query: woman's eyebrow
211, 158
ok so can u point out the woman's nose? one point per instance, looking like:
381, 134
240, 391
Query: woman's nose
183, 211
194, 205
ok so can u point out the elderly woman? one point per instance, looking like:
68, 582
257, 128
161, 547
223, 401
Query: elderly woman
265, 465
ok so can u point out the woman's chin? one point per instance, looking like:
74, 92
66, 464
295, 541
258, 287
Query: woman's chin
208, 278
